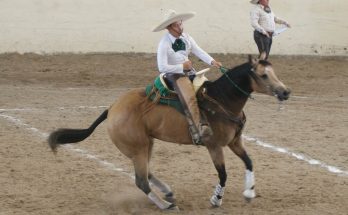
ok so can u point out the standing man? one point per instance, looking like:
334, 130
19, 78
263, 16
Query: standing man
263, 21
172, 59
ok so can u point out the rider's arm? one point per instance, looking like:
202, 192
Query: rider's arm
200, 53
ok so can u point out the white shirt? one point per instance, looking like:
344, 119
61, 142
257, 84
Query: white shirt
262, 21
170, 61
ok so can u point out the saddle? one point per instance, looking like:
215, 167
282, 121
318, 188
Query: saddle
162, 93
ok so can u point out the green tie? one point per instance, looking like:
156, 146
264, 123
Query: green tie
178, 45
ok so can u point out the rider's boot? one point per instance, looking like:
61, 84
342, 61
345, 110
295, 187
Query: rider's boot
200, 130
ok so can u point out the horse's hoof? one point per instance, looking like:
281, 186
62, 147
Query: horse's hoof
249, 194
170, 199
173, 207
215, 201
248, 200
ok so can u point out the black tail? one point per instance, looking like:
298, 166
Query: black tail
66, 135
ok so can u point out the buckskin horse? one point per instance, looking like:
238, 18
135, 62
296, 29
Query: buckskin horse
133, 122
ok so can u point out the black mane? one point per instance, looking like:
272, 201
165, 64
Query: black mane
222, 88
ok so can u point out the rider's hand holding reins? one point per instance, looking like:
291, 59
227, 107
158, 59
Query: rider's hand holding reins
216, 64
187, 65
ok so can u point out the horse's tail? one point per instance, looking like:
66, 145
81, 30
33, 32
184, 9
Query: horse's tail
66, 135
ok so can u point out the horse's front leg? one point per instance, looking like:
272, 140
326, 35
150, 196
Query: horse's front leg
217, 155
238, 149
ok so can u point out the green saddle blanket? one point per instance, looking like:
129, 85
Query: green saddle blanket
159, 93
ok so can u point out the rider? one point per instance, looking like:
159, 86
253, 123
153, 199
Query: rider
172, 59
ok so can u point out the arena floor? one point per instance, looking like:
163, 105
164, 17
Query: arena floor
299, 152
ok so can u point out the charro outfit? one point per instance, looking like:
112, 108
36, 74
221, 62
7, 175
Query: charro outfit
264, 22
171, 54
170, 60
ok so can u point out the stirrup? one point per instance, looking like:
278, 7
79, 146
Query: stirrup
207, 131
196, 138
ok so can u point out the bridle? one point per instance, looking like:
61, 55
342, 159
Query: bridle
224, 70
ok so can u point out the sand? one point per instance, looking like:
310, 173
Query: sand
41, 93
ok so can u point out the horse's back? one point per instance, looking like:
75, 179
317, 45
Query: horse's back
124, 123
130, 99
127, 107
133, 116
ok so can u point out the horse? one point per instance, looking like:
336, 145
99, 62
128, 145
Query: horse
133, 122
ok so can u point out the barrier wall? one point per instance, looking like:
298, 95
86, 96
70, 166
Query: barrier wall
221, 26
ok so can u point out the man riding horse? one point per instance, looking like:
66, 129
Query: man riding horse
134, 121
172, 59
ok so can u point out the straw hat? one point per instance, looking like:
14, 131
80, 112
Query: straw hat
254, 1
170, 17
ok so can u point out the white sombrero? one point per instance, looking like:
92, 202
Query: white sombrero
254, 1
171, 16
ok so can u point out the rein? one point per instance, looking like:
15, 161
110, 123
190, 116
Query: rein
225, 113
240, 121
223, 70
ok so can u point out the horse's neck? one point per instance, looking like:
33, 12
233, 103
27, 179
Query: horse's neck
231, 89
227, 98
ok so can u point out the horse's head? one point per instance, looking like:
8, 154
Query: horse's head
266, 81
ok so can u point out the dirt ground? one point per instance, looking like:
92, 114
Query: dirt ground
41, 93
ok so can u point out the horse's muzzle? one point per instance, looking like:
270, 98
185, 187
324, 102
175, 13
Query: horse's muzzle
282, 94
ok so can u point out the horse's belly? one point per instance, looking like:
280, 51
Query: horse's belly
167, 124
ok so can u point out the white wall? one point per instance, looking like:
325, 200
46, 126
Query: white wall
221, 26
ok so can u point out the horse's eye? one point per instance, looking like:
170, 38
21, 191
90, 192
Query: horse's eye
264, 76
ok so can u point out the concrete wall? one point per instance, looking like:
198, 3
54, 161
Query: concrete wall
221, 26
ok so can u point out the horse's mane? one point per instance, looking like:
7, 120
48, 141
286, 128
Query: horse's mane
240, 75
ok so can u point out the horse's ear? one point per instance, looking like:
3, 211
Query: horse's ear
263, 56
252, 61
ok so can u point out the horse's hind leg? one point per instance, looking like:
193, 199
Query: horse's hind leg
140, 162
239, 150
163, 187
